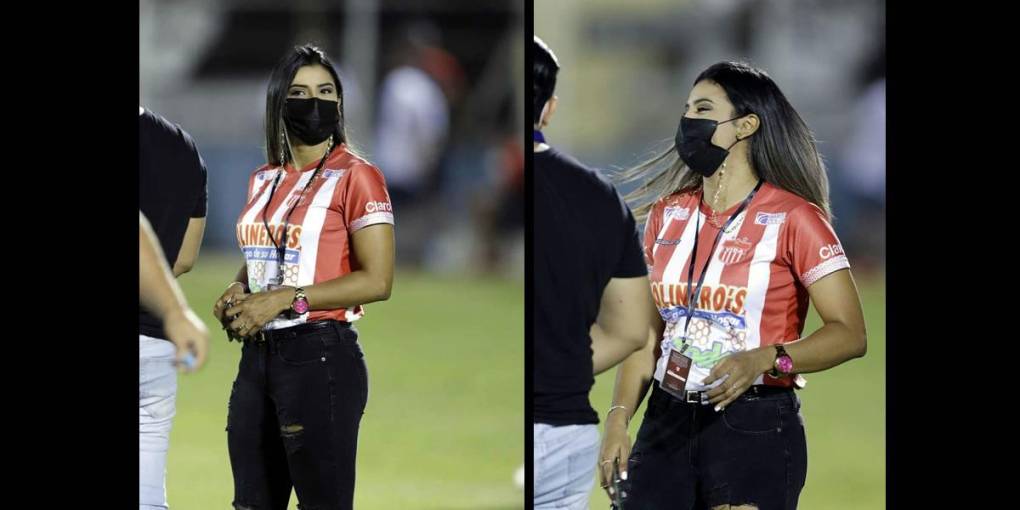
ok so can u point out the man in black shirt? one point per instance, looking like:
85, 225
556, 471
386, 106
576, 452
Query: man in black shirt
172, 195
592, 302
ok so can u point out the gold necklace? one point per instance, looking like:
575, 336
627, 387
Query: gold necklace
714, 218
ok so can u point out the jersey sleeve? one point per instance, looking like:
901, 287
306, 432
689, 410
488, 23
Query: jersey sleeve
652, 226
366, 200
813, 250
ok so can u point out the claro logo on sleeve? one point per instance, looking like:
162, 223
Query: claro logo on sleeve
830, 250
372, 207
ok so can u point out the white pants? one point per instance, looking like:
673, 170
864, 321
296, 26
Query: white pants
564, 461
157, 393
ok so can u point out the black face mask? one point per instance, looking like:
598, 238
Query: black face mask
311, 120
694, 144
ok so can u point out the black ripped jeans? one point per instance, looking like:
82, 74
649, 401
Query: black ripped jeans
293, 419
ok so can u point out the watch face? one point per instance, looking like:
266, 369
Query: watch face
301, 306
784, 364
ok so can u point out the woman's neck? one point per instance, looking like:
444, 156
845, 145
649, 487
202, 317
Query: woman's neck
303, 155
729, 185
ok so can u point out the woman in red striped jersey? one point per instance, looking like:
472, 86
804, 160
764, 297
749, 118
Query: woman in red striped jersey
737, 241
317, 237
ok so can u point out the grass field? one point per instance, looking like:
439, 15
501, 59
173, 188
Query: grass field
844, 414
444, 425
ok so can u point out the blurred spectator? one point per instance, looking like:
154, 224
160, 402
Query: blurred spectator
501, 208
859, 175
411, 130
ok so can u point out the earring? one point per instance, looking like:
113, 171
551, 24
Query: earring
283, 149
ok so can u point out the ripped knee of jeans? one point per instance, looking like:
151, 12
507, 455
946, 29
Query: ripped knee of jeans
289, 431
292, 435
722, 493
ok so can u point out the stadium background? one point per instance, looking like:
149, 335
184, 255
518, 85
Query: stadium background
443, 428
627, 70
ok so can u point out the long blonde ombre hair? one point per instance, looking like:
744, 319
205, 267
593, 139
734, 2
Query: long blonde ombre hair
783, 150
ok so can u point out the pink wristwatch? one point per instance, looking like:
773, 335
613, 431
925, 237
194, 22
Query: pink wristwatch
784, 363
300, 303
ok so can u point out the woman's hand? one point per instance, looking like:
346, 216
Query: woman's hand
234, 294
234, 290
739, 370
615, 445
252, 311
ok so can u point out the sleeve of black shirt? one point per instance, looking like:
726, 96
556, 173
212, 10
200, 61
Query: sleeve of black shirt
632, 258
201, 203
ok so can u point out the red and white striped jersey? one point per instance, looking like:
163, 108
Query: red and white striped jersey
348, 194
755, 290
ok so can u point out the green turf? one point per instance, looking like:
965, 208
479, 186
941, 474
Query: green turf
844, 414
443, 428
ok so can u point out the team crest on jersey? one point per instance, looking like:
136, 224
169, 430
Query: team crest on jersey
676, 213
733, 250
770, 218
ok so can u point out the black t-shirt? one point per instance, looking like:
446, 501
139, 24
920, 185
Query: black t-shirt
171, 191
584, 235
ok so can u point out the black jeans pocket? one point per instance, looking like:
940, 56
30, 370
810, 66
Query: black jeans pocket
752, 417
303, 350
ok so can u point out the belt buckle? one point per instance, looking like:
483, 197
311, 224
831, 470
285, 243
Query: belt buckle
696, 397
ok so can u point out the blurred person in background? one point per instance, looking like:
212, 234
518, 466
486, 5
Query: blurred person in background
412, 128
737, 240
592, 305
860, 171
317, 236
172, 197
500, 207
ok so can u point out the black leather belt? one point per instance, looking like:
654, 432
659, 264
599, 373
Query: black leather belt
752, 393
296, 331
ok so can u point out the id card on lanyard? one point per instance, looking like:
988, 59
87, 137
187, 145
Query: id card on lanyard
678, 364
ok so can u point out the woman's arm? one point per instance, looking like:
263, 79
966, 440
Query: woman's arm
234, 291
242, 276
840, 339
633, 377
372, 280
635, 374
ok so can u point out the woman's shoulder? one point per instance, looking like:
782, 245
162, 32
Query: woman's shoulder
787, 207
782, 200
353, 163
